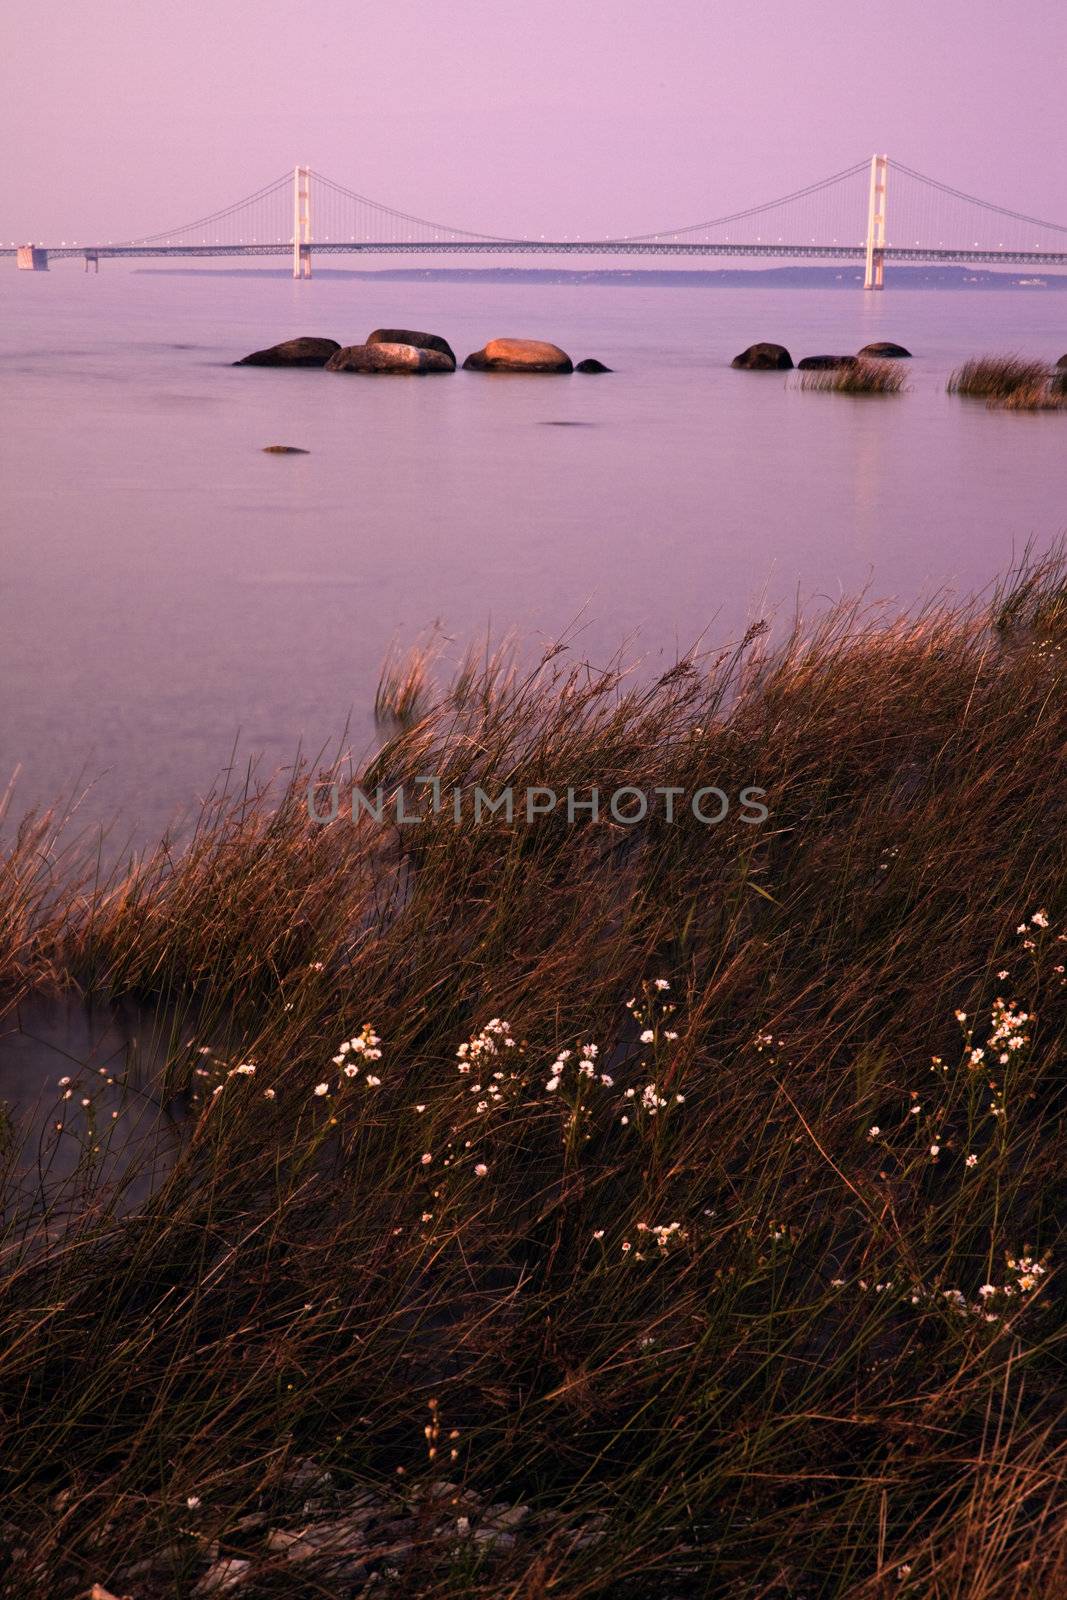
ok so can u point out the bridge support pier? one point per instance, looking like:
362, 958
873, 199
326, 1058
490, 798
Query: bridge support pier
92, 261
874, 274
31, 258
301, 222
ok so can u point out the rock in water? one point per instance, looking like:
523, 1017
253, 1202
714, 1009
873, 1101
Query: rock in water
223, 1576
825, 363
284, 450
398, 358
886, 350
421, 341
292, 353
519, 355
591, 364
764, 358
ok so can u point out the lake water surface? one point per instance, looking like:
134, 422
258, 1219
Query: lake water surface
166, 587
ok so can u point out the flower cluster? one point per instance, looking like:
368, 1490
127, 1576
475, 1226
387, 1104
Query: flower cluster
994, 1300
585, 1067
650, 1100
353, 1055
493, 1039
495, 1043
664, 1235
1006, 1034
650, 1013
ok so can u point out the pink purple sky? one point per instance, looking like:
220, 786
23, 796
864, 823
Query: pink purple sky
119, 117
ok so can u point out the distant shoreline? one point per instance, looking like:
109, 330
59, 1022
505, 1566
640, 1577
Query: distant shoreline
933, 277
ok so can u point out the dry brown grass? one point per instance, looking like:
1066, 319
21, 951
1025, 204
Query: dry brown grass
862, 377
996, 378
1045, 395
800, 1393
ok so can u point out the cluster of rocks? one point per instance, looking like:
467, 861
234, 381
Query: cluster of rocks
356, 1542
776, 358
403, 350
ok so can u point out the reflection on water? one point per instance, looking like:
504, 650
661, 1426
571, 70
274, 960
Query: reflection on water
80, 1104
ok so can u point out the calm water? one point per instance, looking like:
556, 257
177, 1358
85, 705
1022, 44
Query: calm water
167, 587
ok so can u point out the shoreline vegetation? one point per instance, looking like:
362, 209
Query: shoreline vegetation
624, 1213
1012, 383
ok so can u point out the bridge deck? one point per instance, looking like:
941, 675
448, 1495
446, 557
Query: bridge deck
561, 247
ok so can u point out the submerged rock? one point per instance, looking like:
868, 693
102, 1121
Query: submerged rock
305, 352
764, 358
519, 355
284, 450
825, 363
591, 364
395, 358
421, 341
886, 350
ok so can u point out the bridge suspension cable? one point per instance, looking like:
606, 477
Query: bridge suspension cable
750, 211
971, 199
406, 217
222, 215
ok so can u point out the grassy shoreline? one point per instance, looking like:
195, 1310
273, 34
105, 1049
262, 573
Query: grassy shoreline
578, 1209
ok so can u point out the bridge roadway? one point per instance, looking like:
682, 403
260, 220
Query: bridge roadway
559, 247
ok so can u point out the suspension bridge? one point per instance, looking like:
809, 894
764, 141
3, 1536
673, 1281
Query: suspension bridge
844, 217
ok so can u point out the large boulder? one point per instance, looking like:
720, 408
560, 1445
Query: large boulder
305, 352
421, 341
886, 350
764, 358
398, 358
519, 355
825, 363
591, 364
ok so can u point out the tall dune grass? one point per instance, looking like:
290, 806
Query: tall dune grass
404, 686
861, 377
997, 378
1046, 395
693, 1187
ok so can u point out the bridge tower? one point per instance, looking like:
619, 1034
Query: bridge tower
874, 276
301, 222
